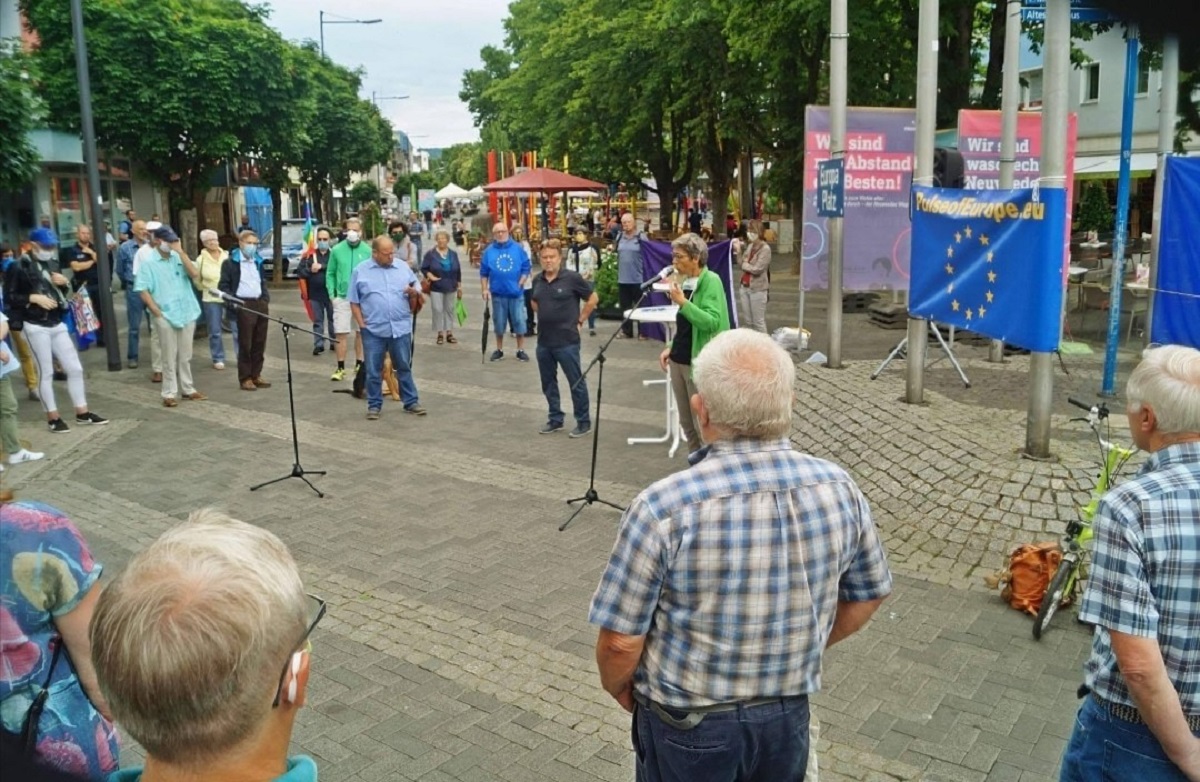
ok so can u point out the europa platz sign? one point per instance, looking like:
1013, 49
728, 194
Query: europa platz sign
875, 182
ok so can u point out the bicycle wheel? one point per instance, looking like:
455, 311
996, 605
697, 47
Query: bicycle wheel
1054, 595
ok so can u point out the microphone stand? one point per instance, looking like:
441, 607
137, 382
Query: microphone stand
297, 470
591, 495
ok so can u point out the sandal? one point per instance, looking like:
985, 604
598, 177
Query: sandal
450, 338
440, 339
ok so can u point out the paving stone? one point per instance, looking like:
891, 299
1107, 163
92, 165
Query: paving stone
457, 644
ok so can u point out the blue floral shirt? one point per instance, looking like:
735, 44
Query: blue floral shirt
46, 569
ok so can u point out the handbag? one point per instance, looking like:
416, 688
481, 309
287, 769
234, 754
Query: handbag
746, 278
25, 742
460, 311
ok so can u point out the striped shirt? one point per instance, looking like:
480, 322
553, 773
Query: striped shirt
733, 570
1145, 574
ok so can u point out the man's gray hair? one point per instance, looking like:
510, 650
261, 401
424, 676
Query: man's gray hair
1168, 379
694, 246
207, 234
745, 379
189, 639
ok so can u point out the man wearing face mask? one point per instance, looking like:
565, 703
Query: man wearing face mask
343, 259
314, 271
165, 285
242, 277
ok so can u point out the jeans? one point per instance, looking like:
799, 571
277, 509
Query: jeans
1103, 747
530, 315
322, 310
549, 360
214, 311
400, 349
135, 309
51, 343
508, 310
766, 743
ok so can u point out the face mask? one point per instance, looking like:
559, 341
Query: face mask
322, 246
352, 237
752, 236
164, 248
44, 255
249, 250
397, 238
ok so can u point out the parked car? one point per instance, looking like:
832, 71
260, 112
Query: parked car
293, 245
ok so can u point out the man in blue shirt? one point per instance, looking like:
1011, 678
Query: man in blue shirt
382, 295
127, 269
502, 273
1141, 716
165, 285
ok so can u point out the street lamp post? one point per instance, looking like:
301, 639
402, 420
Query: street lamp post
339, 20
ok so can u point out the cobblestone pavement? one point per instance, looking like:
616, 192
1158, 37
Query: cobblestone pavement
456, 646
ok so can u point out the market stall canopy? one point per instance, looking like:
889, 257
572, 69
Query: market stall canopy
543, 180
476, 192
451, 191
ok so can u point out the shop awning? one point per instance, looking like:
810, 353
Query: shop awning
1141, 164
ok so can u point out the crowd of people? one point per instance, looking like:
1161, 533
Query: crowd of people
726, 584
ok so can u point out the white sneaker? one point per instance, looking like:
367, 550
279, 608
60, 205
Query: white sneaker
25, 455
218, 365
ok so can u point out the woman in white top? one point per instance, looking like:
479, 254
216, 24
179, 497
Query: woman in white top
583, 259
208, 263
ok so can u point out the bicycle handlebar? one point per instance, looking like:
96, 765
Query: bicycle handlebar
1080, 405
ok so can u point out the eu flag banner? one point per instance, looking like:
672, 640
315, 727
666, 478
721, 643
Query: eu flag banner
990, 261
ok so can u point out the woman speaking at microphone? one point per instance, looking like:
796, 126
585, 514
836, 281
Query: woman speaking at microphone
703, 314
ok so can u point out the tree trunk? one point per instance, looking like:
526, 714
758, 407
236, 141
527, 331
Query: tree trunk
277, 233
797, 236
666, 204
720, 202
994, 79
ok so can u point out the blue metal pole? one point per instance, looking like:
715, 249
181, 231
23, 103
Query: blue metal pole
1122, 226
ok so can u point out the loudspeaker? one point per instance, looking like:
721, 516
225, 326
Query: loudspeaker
948, 168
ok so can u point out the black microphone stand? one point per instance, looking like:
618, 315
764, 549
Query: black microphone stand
297, 470
591, 495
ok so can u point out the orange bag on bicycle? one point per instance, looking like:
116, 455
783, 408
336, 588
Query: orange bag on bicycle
1030, 567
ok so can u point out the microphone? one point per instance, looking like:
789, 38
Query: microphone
223, 296
666, 272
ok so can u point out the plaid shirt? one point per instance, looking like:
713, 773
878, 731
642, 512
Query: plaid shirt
1145, 574
733, 569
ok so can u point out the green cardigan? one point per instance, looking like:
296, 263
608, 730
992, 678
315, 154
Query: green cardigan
706, 311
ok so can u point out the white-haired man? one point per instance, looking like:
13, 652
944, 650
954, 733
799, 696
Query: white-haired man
747, 567
1141, 715
201, 646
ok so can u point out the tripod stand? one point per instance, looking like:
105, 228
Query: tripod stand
591, 495
297, 470
903, 348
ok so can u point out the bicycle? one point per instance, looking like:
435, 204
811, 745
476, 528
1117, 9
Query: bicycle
1072, 568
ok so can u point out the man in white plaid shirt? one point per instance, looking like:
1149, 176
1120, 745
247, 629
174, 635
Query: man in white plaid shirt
728, 581
1141, 716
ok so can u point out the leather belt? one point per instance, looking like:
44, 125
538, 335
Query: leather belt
694, 715
1131, 714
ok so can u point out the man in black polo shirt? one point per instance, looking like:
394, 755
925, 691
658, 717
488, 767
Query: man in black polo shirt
557, 293
84, 262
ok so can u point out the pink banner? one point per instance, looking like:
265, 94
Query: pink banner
979, 143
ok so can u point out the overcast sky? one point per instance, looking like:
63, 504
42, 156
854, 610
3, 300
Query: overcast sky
420, 49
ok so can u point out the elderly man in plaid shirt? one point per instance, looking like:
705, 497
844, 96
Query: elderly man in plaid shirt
1141, 715
728, 581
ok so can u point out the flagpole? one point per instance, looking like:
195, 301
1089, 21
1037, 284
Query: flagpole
927, 70
1009, 103
1056, 71
1168, 103
838, 44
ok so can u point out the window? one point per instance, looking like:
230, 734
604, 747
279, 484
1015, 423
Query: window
1034, 89
1143, 74
1091, 82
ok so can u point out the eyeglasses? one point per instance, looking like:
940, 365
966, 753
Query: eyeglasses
316, 610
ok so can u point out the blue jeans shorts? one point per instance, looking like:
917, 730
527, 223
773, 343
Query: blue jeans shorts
508, 310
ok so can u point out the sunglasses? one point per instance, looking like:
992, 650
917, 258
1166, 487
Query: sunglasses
316, 610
